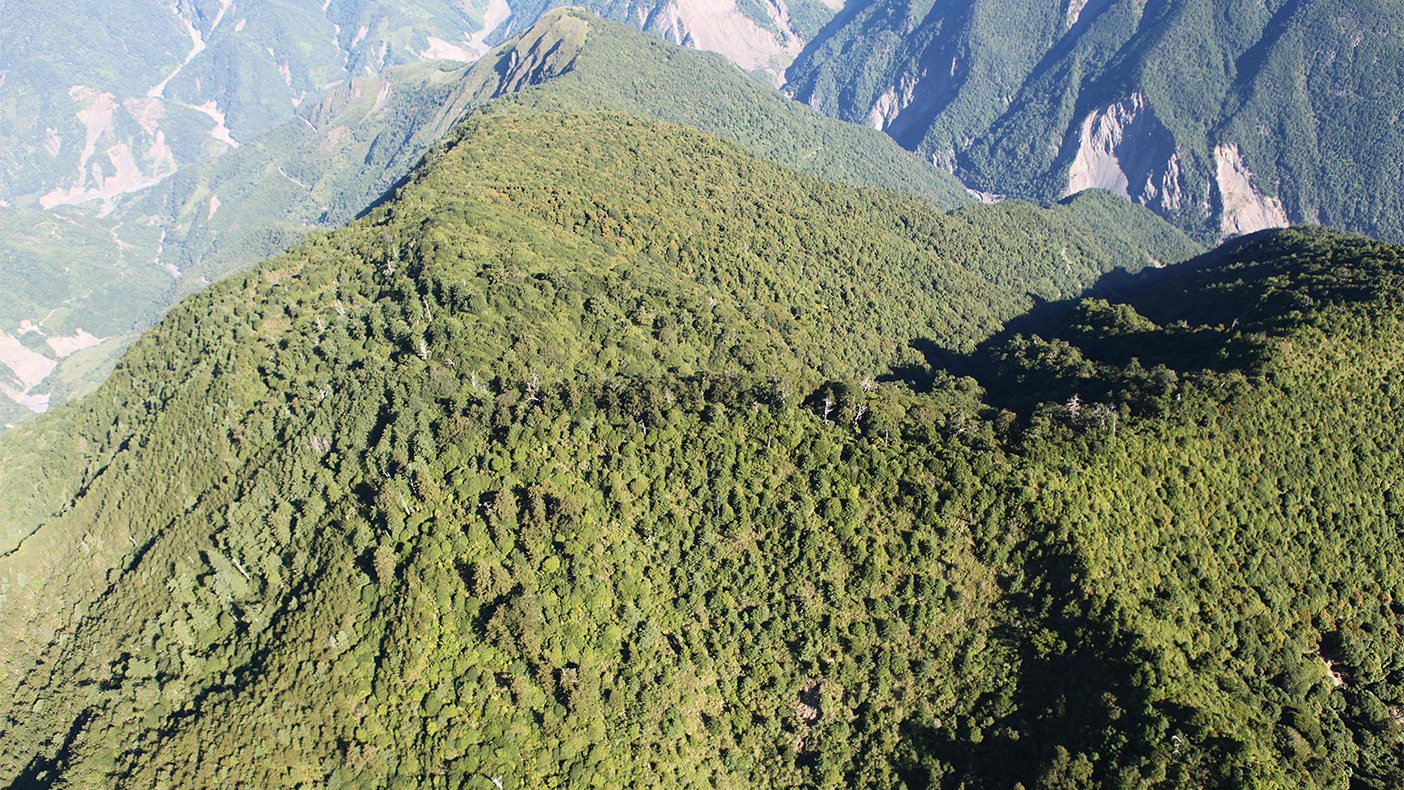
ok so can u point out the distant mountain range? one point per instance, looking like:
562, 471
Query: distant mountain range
85, 278
107, 98
594, 415
153, 149
1223, 116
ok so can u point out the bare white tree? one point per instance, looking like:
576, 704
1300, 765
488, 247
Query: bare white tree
239, 567
781, 393
1106, 418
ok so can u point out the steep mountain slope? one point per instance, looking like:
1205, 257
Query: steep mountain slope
760, 36
102, 103
576, 60
606, 453
106, 98
79, 278
980, 264
539, 254
1224, 116
83, 277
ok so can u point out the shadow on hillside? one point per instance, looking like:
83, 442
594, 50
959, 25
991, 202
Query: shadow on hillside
1180, 317
1081, 675
391, 191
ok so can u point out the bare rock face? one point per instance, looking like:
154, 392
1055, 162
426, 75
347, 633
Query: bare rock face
135, 156
890, 104
21, 369
1222, 116
1242, 208
720, 26
1072, 12
1124, 148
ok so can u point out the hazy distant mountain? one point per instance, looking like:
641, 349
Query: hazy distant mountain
106, 98
1224, 116
83, 278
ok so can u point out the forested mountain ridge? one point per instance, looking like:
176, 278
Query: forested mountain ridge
959, 274
106, 98
84, 282
1223, 116
606, 453
190, 145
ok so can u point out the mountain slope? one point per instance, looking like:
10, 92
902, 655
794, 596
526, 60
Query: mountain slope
1254, 566
1224, 117
98, 276
105, 98
539, 252
958, 274
602, 454
762, 38
584, 74
81, 278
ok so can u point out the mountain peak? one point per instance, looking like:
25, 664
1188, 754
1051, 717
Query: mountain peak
546, 49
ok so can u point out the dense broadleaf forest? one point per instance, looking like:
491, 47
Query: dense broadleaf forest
111, 272
154, 148
606, 453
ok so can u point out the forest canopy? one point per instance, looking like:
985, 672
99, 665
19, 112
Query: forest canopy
607, 454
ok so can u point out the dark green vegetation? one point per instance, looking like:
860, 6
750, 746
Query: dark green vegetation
345, 151
607, 454
999, 89
341, 152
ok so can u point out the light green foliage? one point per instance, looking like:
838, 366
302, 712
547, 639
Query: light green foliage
702, 90
344, 150
558, 469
